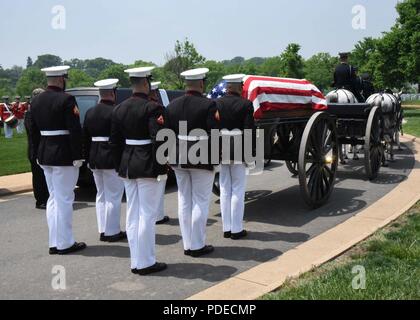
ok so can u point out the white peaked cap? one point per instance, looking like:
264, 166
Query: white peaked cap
56, 71
142, 72
195, 74
234, 78
155, 85
107, 84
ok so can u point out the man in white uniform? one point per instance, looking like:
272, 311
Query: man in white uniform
57, 137
109, 186
195, 180
236, 115
135, 125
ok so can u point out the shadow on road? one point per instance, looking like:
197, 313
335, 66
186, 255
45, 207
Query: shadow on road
192, 271
243, 254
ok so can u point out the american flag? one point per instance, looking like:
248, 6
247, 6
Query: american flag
218, 91
270, 94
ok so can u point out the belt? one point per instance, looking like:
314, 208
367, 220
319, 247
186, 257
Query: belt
231, 133
191, 138
138, 142
55, 133
100, 139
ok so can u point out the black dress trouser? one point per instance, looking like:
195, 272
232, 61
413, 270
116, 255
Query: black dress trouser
39, 184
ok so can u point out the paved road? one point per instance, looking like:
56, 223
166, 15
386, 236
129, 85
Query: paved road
275, 215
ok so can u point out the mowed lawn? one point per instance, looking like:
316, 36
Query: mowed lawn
390, 258
13, 154
412, 125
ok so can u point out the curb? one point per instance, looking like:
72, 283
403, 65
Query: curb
269, 276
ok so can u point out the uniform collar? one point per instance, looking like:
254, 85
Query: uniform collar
193, 93
108, 102
140, 95
54, 88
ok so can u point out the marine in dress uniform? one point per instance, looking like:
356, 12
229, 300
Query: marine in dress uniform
5, 113
161, 218
57, 138
19, 112
195, 181
135, 124
345, 76
39, 184
236, 115
109, 186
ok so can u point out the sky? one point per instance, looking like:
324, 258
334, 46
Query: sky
129, 30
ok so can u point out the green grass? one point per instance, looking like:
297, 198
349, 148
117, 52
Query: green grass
412, 103
412, 116
13, 154
391, 259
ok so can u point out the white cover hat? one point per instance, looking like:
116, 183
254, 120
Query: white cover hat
234, 78
142, 72
155, 85
195, 74
56, 71
107, 84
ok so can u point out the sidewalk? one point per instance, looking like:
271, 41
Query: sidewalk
18, 183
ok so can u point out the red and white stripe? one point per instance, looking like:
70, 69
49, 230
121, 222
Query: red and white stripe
271, 94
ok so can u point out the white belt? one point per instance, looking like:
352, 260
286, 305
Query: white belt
100, 139
138, 142
191, 138
231, 133
55, 133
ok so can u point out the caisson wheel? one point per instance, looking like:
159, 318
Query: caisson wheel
292, 166
318, 159
374, 149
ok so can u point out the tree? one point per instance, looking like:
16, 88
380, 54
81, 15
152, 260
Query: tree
319, 69
48, 60
79, 78
292, 62
184, 57
116, 71
29, 62
31, 79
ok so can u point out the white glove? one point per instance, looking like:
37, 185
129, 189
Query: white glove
78, 163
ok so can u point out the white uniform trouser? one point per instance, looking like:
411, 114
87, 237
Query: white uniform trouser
20, 127
61, 182
161, 210
110, 189
232, 196
8, 132
142, 205
194, 194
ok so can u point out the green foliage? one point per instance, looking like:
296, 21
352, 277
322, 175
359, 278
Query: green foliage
47, 60
92, 67
31, 79
79, 78
184, 57
292, 62
116, 71
319, 69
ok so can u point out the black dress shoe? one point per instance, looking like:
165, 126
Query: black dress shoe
240, 235
227, 235
118, 237
74, 248
134, 271
103, 238
53, 251
42, 206
202, 252
153, 269
187, 252
163, 221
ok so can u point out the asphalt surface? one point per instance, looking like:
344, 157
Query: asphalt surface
276, 217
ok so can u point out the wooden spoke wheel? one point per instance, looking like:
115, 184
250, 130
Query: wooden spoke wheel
374, 149
318, 159
292, 166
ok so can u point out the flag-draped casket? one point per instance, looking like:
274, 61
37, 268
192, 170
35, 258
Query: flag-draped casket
270, 94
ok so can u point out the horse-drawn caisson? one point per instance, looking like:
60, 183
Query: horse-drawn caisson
297, 129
